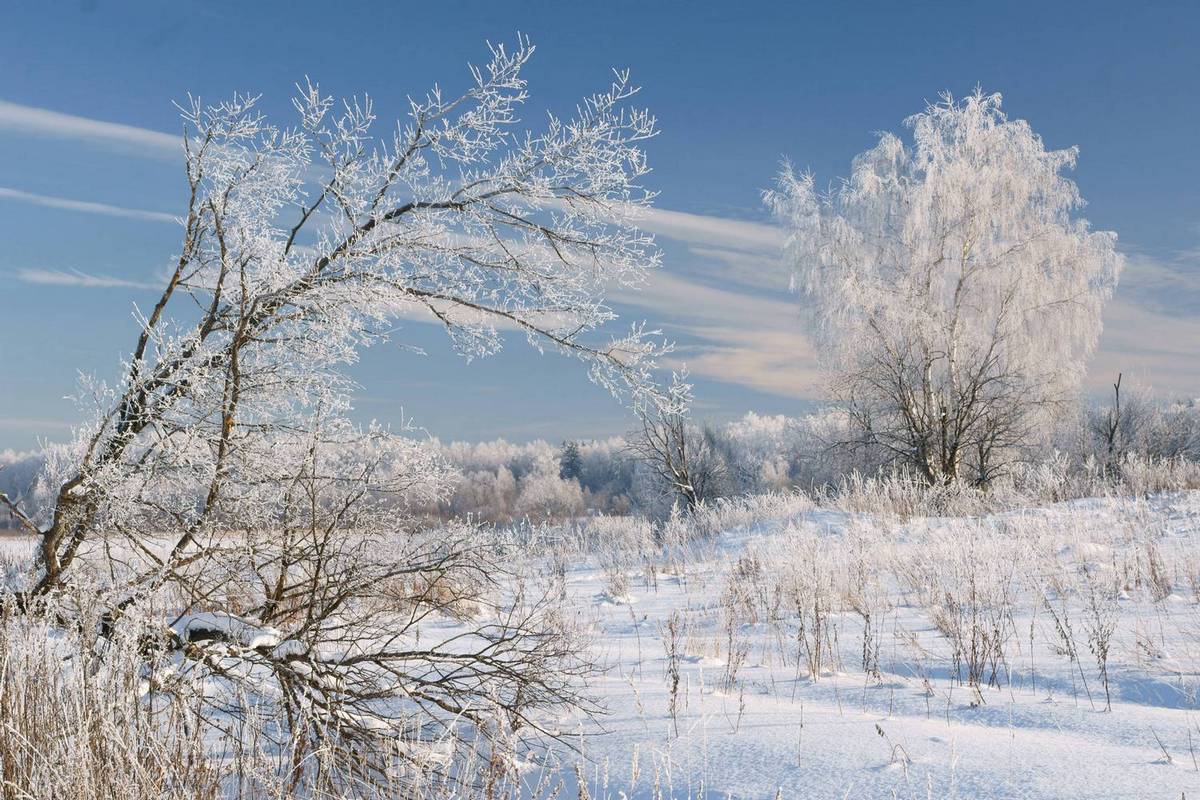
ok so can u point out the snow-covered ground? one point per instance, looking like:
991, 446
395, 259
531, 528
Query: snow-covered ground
820, 654
910, 724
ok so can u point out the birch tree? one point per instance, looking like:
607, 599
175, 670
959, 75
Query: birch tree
951, 287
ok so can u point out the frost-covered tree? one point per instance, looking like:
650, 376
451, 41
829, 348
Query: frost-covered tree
300, 245
1135, 425
544, 495
684, 458
221, 460
952, 289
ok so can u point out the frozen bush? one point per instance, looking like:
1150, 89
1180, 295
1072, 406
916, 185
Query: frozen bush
544, 495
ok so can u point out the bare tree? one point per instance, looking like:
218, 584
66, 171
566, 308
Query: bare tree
1121, 427
219, 479
1109, 427
951, 290
684, 457
1136, 424
318, 612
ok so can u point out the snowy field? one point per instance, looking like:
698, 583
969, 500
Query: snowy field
980, 674
769, 648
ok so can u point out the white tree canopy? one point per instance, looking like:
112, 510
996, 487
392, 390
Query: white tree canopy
951, 288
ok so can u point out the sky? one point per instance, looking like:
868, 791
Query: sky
91, 176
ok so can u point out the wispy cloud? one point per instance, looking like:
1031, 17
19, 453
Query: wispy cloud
1170, 285
700, 229
740, 337
1152, 326
44, 122
54, 277
1159, 350
84, 206
732, 302
748, 332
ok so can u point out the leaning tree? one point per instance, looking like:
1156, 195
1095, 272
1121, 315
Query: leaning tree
951, 288
219, 483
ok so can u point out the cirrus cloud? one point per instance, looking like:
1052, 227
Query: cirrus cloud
32, 120
55, 277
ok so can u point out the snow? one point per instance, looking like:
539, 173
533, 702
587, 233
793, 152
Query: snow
228, 627
913, 731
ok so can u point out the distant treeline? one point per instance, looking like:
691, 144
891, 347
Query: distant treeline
500, 481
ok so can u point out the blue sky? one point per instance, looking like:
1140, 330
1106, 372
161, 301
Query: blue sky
736, 87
